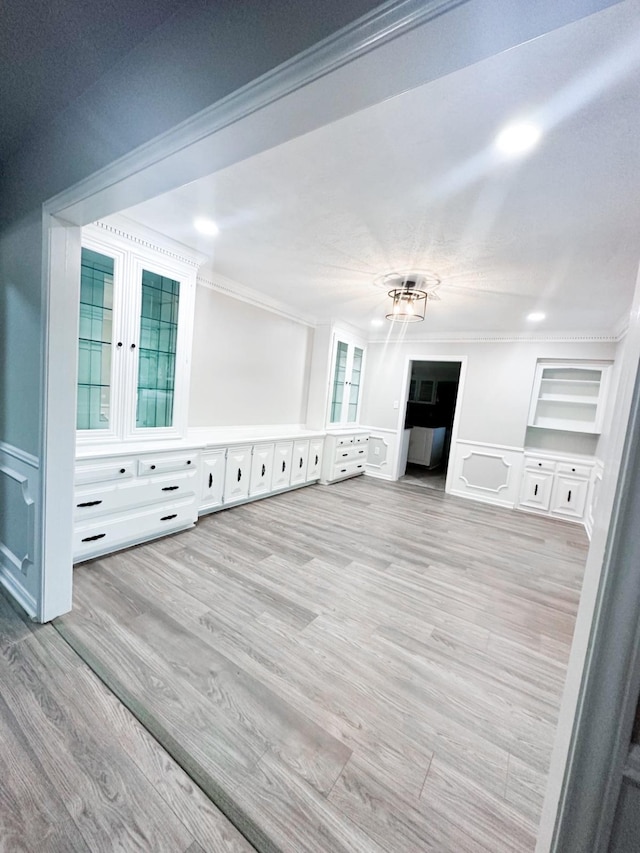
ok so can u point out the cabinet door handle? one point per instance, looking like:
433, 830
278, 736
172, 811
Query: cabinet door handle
170, 488
239, 474
169, 517
569, 497
133, 346
345, 454
89, 503
343, 470
263, 470
93, 538
210, 480
535, 491
301, 461
284, 465
119, 344
316, 462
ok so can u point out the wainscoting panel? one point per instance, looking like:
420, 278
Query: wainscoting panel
486, 472
381, 453
19, 489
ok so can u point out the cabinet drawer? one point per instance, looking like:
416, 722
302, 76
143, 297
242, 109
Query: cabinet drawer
349, 453
341, 440
162, 464
117, 497
102, 472
534, 464
102, 535
574, 470
348, 469
361, 439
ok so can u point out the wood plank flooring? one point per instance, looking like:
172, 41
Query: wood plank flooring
77, 771
368, 666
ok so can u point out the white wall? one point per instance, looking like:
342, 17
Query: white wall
249, 366
497, 391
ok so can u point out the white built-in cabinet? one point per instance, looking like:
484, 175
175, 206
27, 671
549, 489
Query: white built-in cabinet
124, 499
213, 469
345, 455
569, 396
347, 372
251, 471
261, 469
556, 486
134, 338
237, 478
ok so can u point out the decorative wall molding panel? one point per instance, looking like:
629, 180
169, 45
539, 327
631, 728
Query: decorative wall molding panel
378, 452
19, 487
485, 472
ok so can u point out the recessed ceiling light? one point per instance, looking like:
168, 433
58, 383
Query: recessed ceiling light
377, 322
518, 138
206, 226
536, 316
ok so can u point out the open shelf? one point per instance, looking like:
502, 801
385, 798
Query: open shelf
568, 396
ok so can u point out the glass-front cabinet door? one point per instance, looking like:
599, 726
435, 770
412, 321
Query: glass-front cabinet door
348, 364
157, 356
95, 341
136, 317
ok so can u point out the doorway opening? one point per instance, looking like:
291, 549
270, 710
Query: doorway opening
429, 416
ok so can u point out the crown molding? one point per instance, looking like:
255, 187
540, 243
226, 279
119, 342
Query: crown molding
126, 229
501, 337
235, 290
621, 328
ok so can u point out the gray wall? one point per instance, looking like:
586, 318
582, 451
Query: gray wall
249, 366
497, 390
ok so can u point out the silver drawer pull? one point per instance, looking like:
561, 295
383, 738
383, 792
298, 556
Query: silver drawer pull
93, 538
89, 503
169, 517
170, 488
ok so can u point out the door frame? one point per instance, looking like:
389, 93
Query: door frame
404, 395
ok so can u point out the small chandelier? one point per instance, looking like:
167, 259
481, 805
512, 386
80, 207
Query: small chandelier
408, 304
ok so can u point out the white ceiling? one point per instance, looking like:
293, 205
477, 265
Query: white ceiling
415, 182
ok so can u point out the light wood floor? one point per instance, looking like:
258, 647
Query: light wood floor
77, 771
365, 667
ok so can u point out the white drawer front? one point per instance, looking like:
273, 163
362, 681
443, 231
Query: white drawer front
574, 470
131, 494
361, 439
341, 440
162, 464
351, 452
535, 464
107, 534
102, 472
348, 469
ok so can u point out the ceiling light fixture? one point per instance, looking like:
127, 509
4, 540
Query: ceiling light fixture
206, 226
536, 316
518, 138
408, 304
